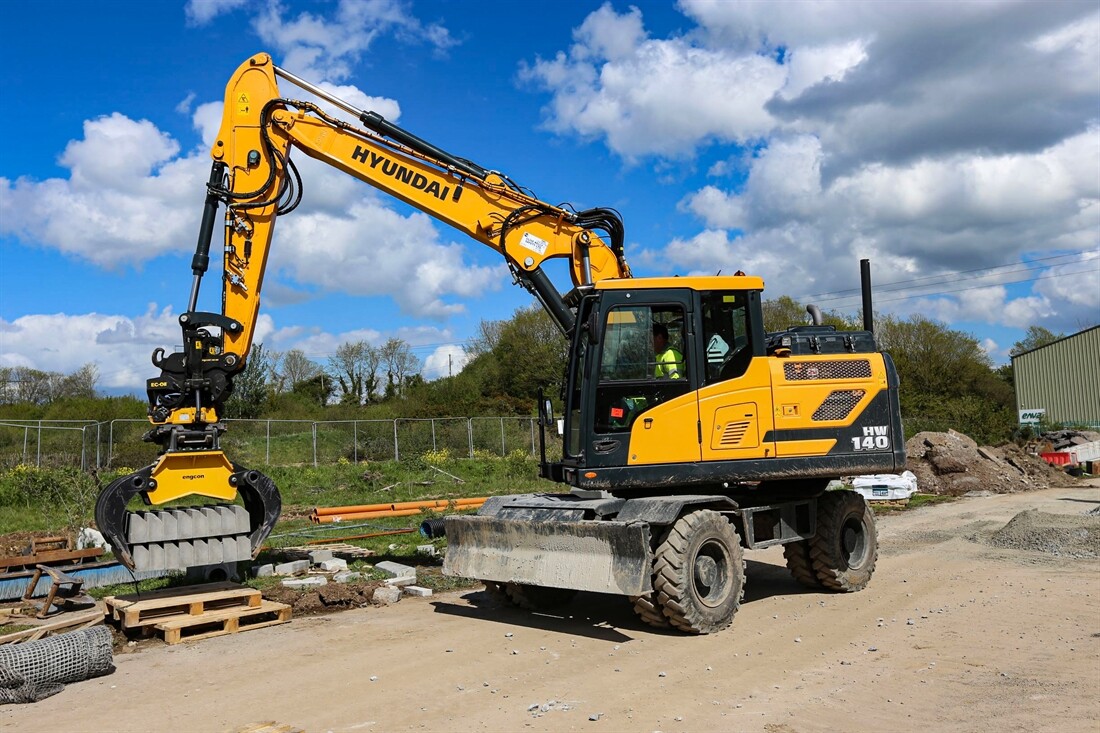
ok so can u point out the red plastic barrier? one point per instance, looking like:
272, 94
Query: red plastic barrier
1057, 459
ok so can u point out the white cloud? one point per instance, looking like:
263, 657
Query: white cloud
317, 47
119, 345
128, 197
690, 93
201, 12
117, 210
932, 217
445, 361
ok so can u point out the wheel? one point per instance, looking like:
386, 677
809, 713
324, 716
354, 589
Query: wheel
801, 564
648, 609
699, 573
845, 548
538, 597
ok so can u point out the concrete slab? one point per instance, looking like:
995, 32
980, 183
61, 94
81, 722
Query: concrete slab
310, 582
295, 567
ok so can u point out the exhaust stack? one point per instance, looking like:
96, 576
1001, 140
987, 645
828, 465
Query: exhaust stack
865, 287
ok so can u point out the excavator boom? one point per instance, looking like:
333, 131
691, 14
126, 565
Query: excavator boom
254, 179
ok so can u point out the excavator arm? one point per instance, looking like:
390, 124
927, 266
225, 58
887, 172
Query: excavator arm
253, 177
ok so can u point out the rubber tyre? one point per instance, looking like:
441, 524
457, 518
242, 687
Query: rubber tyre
845, 548
801, 564
538, 597
648, 609
699, 573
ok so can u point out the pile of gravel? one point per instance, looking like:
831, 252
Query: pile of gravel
1062, 535
954, 464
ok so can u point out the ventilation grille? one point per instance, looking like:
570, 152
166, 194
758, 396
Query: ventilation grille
839, 404
733, 435
798, 371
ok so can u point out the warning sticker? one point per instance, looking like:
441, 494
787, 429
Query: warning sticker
533, 243
616, 412
243, 103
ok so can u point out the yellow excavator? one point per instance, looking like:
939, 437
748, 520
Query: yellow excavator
688, 433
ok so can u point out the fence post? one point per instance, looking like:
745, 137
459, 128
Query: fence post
433, 435
354, 441
83, 448
396, 450
267, 453
314, 425
470, 434
38, 459
26, 434
110, 443
503, 449
531, 424
98, 435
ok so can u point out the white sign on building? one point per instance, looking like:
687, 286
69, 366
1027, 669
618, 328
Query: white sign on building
1031, 417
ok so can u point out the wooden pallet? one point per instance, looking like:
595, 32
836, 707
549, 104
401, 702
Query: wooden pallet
135, 612
225, 621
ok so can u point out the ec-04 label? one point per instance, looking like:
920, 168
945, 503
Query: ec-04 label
875, 437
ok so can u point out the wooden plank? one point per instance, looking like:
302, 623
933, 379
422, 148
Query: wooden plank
67, 622
45, 558
225, 621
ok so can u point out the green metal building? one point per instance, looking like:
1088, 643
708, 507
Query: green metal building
1062, 378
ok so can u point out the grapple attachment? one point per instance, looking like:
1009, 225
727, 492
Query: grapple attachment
183, 537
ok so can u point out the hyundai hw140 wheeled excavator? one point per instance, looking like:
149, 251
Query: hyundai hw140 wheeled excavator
673, 462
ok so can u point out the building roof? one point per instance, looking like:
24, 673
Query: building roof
1064, 338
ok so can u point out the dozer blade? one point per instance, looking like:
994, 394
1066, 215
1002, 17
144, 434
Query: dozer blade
606, 557
183, 537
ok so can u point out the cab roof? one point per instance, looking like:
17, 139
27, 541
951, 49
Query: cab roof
703, 282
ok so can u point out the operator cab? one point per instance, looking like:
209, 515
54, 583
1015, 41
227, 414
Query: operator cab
641, 360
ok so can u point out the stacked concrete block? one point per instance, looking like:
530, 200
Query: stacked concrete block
180, 538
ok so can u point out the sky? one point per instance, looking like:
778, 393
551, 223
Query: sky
956, 145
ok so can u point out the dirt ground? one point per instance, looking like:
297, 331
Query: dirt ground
954, 633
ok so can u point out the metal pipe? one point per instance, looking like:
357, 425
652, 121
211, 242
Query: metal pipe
318, 91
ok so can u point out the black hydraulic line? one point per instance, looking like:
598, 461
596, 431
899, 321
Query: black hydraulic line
379, 124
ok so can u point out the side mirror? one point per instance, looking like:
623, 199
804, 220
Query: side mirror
547, 412
593, 326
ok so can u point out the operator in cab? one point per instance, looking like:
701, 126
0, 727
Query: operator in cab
669, 360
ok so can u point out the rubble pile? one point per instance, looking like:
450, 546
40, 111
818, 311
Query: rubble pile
1057, 534
953, 464
1066, 440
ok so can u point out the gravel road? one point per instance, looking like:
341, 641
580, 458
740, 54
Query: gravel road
954, 633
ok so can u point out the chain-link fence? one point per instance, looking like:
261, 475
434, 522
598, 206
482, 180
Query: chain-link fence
116, 443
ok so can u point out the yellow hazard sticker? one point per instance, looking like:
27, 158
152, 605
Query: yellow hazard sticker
243, 103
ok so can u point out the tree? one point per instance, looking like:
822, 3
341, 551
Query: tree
80, 383
946, 379
355, 367
400, 363
251, 386
316, 389
294, 367
784, 312
1035, 337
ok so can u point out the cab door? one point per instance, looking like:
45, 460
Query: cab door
643, 412
735, 401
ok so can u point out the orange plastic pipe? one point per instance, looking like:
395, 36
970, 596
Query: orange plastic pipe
327, 518
427, 504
